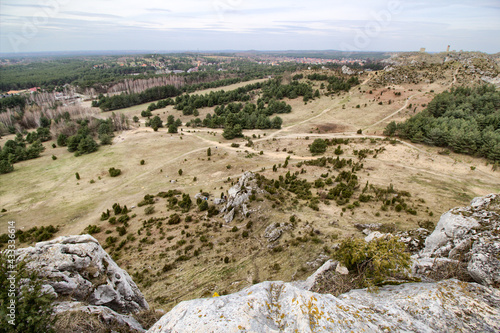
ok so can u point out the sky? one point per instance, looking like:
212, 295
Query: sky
202, 25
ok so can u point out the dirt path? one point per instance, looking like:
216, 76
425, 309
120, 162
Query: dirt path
394, 113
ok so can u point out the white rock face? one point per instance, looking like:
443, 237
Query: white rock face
238, 195
105, 315
77, 266
446, 306
347, 70
470, 235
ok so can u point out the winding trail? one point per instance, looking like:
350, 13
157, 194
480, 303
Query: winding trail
394, 113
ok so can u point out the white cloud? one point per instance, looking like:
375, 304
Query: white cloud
323, 22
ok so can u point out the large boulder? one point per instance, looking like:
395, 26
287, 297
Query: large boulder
446, 306
465, 237
77, 267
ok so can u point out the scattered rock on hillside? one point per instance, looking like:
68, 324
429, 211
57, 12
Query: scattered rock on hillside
414, 239
467, 235
274, 231
78, 268
238, 195
370, 226
347, 70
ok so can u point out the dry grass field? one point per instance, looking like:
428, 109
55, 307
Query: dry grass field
205, 255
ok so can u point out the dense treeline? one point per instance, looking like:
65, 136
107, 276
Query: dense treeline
188, 103
153, 94
335, 83
274, 89
12, 102
212, 84
126, 100
466, 120
18, 150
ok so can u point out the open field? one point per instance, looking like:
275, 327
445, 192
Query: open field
43, 191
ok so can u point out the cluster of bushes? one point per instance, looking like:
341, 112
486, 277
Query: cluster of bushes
275, 89
17, 150
466, 120
83, 142
235, 117
35, 234
319, 146
379, 262
189, 103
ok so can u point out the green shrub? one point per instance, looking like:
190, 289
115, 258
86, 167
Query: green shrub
174, 219
203, 205
33, 308
92, 229
377, 261
149, 210
114, 172
105, 215
121, 230
318, 147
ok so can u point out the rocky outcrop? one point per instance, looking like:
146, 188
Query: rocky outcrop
238, 196
347, 70
274, 231
467, 236
103, 314
77, 268
445, 306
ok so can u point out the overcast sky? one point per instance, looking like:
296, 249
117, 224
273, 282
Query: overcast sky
367, 25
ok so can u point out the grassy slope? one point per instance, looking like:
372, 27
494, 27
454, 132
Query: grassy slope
43, 191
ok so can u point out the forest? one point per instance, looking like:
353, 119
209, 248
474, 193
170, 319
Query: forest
121, 101
465, 120
50, 74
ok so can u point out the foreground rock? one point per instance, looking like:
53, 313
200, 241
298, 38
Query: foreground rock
78, 269
446, 306
467, 240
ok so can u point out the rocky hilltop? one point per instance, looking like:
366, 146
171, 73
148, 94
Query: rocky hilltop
463, 235
459, 264
446, 306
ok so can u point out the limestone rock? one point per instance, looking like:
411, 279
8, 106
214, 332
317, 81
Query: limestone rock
445, 306
104, 314
347, 70
238, 195
78, 267
330, 266
370, 226
414, 239
274, 231
375, 235
468, 235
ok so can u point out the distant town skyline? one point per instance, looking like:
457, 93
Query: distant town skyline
366, 25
